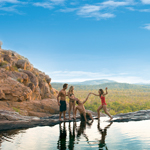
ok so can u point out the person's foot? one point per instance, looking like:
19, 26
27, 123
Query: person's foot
60, 119
69, 118
110, 118
65, 119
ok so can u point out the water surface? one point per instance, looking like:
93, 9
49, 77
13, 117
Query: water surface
80, 136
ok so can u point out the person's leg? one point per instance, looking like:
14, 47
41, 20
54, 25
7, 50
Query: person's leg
64, 113
73, 105
60, 116
105, 110
70, 106
84, 115
98, 111
90, 116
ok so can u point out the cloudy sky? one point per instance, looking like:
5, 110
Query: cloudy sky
74, 40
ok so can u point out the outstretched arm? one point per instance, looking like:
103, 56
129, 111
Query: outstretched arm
86, 98
94, 94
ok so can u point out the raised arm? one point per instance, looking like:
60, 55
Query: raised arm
58, 98
86, 98
106, 91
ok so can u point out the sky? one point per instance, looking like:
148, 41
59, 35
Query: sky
72, 40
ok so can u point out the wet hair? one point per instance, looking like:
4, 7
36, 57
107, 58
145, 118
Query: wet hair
101, 92
65, 85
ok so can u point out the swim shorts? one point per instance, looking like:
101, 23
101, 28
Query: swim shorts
62, 106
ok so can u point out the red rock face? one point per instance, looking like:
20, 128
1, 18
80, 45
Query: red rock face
21, 83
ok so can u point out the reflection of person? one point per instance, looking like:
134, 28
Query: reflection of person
103, 133
84, 114
103, 105
61, 145
82, 127
71, 101
62, 102
71, 136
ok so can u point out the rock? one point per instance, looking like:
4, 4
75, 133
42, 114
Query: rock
2, 95
133, 116
31, 76
12, 120
7, 58
13, 90
22, 64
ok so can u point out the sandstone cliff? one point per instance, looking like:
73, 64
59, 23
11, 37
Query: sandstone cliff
21, 84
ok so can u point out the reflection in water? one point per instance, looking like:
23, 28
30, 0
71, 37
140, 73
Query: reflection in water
81, 129
9, 135
71, 136
74, 135
103, 133
61, 144
62, 137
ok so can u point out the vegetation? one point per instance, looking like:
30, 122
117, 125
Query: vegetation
126, 98
16, 109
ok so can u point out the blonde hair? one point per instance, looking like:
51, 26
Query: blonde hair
70, 90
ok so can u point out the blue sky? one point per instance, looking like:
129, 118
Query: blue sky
74, 40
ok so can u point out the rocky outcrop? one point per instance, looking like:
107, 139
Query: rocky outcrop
13, 120
40, 108
132, 116
20, 81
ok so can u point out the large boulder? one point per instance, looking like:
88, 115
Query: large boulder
13, 90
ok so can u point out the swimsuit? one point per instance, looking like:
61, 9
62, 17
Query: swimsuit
62, 106
103, 100
71, 100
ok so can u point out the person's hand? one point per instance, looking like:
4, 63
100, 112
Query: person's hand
59, 104
106, 88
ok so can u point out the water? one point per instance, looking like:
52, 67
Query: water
80, 136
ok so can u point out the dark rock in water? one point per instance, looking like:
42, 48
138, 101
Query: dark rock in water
133, 116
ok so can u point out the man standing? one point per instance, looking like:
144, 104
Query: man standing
62, 101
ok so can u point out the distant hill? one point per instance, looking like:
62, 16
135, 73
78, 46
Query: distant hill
110, 85
95, 82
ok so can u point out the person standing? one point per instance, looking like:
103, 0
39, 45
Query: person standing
61, 99
71, 101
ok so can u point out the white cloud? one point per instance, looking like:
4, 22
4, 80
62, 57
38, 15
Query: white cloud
144, 10
145, 1
10, 1
93, 11
79, 76
10, 9
115, 4
58, 1
68, 10
147, 26
131, 8
44, 5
